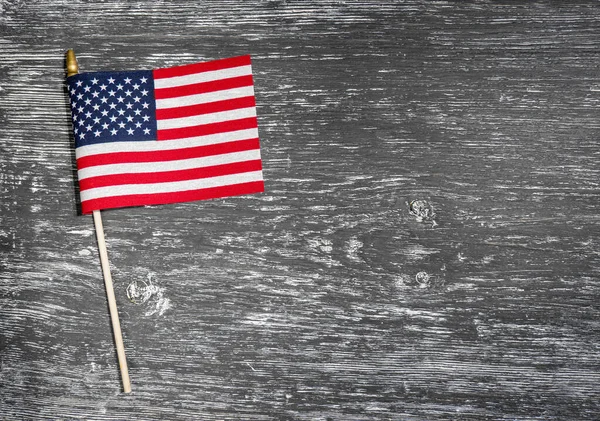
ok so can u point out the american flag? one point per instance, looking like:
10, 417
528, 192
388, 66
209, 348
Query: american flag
164, 136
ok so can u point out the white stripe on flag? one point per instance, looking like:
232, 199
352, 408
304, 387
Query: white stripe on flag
170, 187
165, 145
182, 164
210, 76
182, 101
197, 120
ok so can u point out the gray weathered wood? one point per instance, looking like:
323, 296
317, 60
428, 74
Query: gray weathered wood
324, 298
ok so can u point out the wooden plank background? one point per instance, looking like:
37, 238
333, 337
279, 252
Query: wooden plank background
327, 297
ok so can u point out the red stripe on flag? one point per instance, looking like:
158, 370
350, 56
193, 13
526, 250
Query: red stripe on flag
207, 129
170, 176
210, 107
169, 155
189, 69
163, 198
203, 87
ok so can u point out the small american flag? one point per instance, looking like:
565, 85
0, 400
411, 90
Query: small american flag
164, 136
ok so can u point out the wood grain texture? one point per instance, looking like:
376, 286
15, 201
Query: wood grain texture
324, 298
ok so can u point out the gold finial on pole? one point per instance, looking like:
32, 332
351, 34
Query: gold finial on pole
72, 66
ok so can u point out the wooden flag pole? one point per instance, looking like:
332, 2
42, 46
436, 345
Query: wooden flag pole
112, 303
73, 69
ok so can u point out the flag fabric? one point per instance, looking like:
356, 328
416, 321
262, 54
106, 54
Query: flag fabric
168, 135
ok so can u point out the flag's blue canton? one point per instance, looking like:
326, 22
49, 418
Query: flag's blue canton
112, 107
